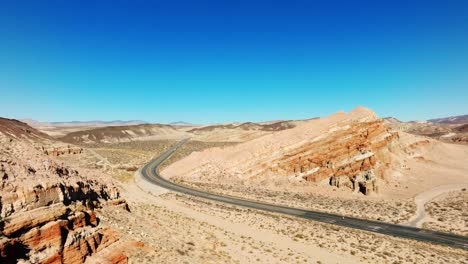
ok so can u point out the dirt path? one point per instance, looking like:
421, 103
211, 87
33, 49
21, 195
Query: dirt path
423, 198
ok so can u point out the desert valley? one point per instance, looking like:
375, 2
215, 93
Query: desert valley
74, 192
212, 132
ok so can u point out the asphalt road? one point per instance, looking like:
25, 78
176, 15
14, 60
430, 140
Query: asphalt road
150, 173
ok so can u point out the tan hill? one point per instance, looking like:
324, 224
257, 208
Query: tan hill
239, 132
462, 128
353, 151
60, 129
14, 129
113, 134
214, 133
17, 129
276, 126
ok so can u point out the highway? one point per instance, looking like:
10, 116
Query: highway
150, 173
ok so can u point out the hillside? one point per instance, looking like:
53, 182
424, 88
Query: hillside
353, 151
113, 134
442, 130
454, 120
17, 129
238, 132
214, 133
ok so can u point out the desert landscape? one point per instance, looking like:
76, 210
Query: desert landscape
212, 132
80, 197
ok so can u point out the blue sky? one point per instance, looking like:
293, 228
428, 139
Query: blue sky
219, 61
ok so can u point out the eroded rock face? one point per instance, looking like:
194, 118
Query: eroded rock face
59, 151
346, 150
47, 209
350, 157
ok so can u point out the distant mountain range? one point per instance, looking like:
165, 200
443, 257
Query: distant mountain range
463, 119
94, 123
180, 123
450, 129
451, 120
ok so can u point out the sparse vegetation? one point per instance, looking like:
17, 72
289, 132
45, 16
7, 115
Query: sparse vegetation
368, 247
449, 213
395, 211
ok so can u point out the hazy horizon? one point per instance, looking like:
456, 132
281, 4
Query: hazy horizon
229, 121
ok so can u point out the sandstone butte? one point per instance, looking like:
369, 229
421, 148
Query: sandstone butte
347, 150
47, 209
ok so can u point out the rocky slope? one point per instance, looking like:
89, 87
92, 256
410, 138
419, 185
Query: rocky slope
351, 156
113, 134
349, 150
215, 133
238, 132
454, 131
47, 209
16, 129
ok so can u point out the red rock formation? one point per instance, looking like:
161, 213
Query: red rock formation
47, 209
348, 157
347, 150
84, 242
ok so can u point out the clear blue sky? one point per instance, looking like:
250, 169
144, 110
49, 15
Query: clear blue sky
218, 61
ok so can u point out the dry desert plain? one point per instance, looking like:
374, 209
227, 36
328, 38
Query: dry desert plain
75, 195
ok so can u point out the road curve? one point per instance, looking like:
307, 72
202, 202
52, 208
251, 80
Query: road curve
150, 173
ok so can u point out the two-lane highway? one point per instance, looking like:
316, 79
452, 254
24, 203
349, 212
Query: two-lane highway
150, 173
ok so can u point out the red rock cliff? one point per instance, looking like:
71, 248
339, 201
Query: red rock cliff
47, 209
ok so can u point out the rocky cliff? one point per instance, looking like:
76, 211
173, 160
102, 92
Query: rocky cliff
47, 209
350, 156
346, 150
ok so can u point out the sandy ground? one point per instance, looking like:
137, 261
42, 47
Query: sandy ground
243, 242
181, 229
423, 198
430, 167
449, 212
319, 198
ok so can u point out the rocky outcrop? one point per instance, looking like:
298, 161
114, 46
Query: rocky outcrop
345, 150
47, 209
351, 156
56, 151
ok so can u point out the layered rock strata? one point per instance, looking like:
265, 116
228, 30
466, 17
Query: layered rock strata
350, 157
47, 209
346, 150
